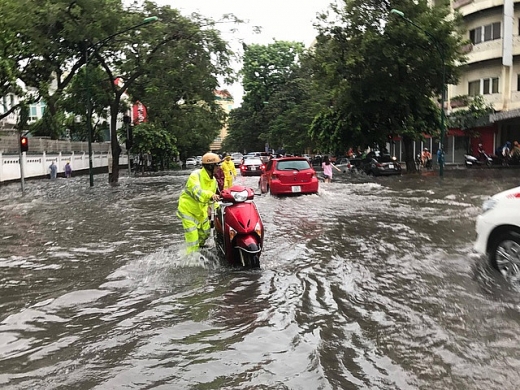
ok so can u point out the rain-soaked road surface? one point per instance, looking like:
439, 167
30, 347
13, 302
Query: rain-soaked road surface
372, 284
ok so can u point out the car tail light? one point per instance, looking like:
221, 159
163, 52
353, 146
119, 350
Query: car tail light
262, 167
243, 168
379, 165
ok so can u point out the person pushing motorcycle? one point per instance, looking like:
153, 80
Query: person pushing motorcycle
230, 173
199, 191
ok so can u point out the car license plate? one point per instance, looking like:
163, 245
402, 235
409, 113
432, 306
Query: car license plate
391, 166
296, 189
253, 168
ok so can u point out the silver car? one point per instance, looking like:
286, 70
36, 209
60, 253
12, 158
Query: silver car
191, 162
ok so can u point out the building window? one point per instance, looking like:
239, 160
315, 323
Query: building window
33, 112
486, 33
483, 87
494, 85
475, 35
474, 88
518, 82
490, 86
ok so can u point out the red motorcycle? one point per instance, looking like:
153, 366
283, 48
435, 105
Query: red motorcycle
239, 232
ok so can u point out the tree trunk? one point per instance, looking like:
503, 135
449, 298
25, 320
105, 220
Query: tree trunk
409, 158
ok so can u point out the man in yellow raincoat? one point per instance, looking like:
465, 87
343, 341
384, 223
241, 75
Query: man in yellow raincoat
199, 191
230, 173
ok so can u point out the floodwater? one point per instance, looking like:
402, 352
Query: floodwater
372, 284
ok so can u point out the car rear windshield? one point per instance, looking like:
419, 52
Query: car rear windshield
253, 161
292, 164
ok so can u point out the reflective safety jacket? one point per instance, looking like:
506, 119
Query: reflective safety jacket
197, 194
228, 167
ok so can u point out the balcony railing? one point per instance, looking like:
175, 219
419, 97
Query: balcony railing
459, 3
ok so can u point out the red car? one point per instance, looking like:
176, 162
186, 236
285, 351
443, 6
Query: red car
289, 175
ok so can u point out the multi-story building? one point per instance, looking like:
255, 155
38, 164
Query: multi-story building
224, 98
8, 123
492, 69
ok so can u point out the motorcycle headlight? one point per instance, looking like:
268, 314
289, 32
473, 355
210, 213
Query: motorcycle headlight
240, 196
488, 204
232, 234
258, 229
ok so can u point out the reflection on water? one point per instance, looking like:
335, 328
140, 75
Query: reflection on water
371, 284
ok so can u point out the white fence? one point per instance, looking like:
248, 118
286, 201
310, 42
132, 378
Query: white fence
38, 165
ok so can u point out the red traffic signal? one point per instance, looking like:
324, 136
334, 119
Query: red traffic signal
24, 144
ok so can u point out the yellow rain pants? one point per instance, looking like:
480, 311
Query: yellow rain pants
193, 208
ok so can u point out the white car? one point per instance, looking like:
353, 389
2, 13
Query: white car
237, 159
191, 162
498, 232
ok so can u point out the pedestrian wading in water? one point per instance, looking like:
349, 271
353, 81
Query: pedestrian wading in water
327, 169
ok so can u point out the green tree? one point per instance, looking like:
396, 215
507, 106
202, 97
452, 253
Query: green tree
266, 71
155, 141
74, 100
179, 90
150, 45
384, 74
293, 109
50, 42
476, 114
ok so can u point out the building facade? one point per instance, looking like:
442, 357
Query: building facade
492, 69
225, 100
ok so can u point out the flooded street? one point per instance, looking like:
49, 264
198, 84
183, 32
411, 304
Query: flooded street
372, 284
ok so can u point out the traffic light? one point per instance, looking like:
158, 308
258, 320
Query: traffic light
24, 144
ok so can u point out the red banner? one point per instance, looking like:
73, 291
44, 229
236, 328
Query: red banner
139, 113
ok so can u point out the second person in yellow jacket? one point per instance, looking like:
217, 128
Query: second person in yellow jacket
230, 172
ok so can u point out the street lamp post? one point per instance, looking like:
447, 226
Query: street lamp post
93, 48
443, 96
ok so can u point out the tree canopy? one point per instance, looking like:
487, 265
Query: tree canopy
64, 52
384, 73
280, 100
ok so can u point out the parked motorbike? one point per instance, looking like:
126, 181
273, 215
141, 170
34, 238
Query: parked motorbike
238, 228
419, 163
472, 161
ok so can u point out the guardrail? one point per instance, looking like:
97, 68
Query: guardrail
37, 165
9, 144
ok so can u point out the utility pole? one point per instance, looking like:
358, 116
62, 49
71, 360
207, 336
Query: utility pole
126, 121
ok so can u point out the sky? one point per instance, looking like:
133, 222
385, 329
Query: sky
287, 20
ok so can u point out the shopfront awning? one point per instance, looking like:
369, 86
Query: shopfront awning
502, 116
